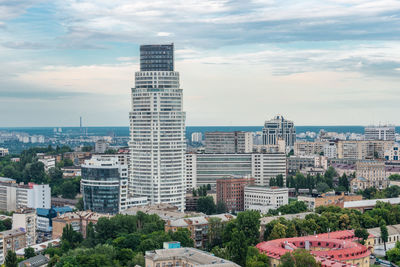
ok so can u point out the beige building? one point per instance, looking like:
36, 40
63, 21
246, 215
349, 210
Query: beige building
79, 221
328, 199
366, 149
369, 173
11, 240
26, 219
309, 148
187, 257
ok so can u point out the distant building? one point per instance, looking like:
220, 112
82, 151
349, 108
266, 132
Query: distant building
78, 220
307, 148
369, 173
369, 204
184, 257
3, 152
26, 219
8, 194
392, 154
197, 137
198, 227
330, 150
11, 240
101, 146
34, 196
363, 149
328, 199
262, 198
230, 191
279, 128
380, 132
48, 161
71, 171
228, 142
268, 165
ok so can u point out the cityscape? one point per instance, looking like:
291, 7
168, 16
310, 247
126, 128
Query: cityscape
170, 189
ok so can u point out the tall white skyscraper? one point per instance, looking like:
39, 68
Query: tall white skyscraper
157, 129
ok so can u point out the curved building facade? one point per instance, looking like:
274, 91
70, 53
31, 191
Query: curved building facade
157, 129
338, 250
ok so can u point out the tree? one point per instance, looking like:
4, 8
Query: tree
29, 252
322, 187
70, 238
303, 258
69, 190
206, 205
393, 254
256, 259
221, 207
183, 236
279, 180
384, 233
394, 177
279, 231
361, 233
237, 247
287, 260
79, 205
249, 222
215, 232
11, 259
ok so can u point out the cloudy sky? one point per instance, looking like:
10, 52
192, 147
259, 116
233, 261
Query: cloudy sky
331, 62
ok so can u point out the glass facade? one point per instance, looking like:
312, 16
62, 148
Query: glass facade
101, 188
157, 57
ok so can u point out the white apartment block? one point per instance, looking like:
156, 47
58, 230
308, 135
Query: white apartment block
268, 165
190, 171
49, 162
8, 196
26, 219
330, 150
34, 196
262, 198
197, 137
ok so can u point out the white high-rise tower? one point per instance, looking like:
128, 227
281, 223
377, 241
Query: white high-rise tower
157, 129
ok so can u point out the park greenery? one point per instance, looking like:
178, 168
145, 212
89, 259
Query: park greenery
373, 193
30, 169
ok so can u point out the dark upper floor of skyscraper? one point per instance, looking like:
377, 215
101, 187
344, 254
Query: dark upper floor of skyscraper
157, 57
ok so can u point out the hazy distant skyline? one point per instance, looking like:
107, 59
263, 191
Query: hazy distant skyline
331, 62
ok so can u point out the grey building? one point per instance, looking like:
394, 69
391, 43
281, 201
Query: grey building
157, 57
228, 142
380, 132
279, 128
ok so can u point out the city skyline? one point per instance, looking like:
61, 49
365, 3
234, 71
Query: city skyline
331, 63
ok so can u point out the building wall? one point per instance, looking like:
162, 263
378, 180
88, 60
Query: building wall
231, 192
264, 198
268, 165
26, 219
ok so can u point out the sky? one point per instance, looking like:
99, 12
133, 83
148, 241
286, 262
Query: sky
331, 62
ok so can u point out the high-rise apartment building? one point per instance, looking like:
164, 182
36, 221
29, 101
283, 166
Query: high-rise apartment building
157, 129
380, 132
229, 142
279, 128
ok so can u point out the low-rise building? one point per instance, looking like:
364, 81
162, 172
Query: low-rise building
164, 211
48, 162
37, 261
369, 204
26, 219
184, 257
328, 199
11, 240
262, 198
369, 173
71, 171
198, 226
78, 220
3, 152
393, 237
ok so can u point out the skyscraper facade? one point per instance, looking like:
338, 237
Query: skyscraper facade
279, 128
157, 129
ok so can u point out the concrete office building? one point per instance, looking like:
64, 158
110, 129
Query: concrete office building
307, 148
34, 196
230, 191
279, 128
262, 198
104, 190
157, 129
268, 165
101, 146
380, 132
8, 194
26, 219
228, 142
203, 169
